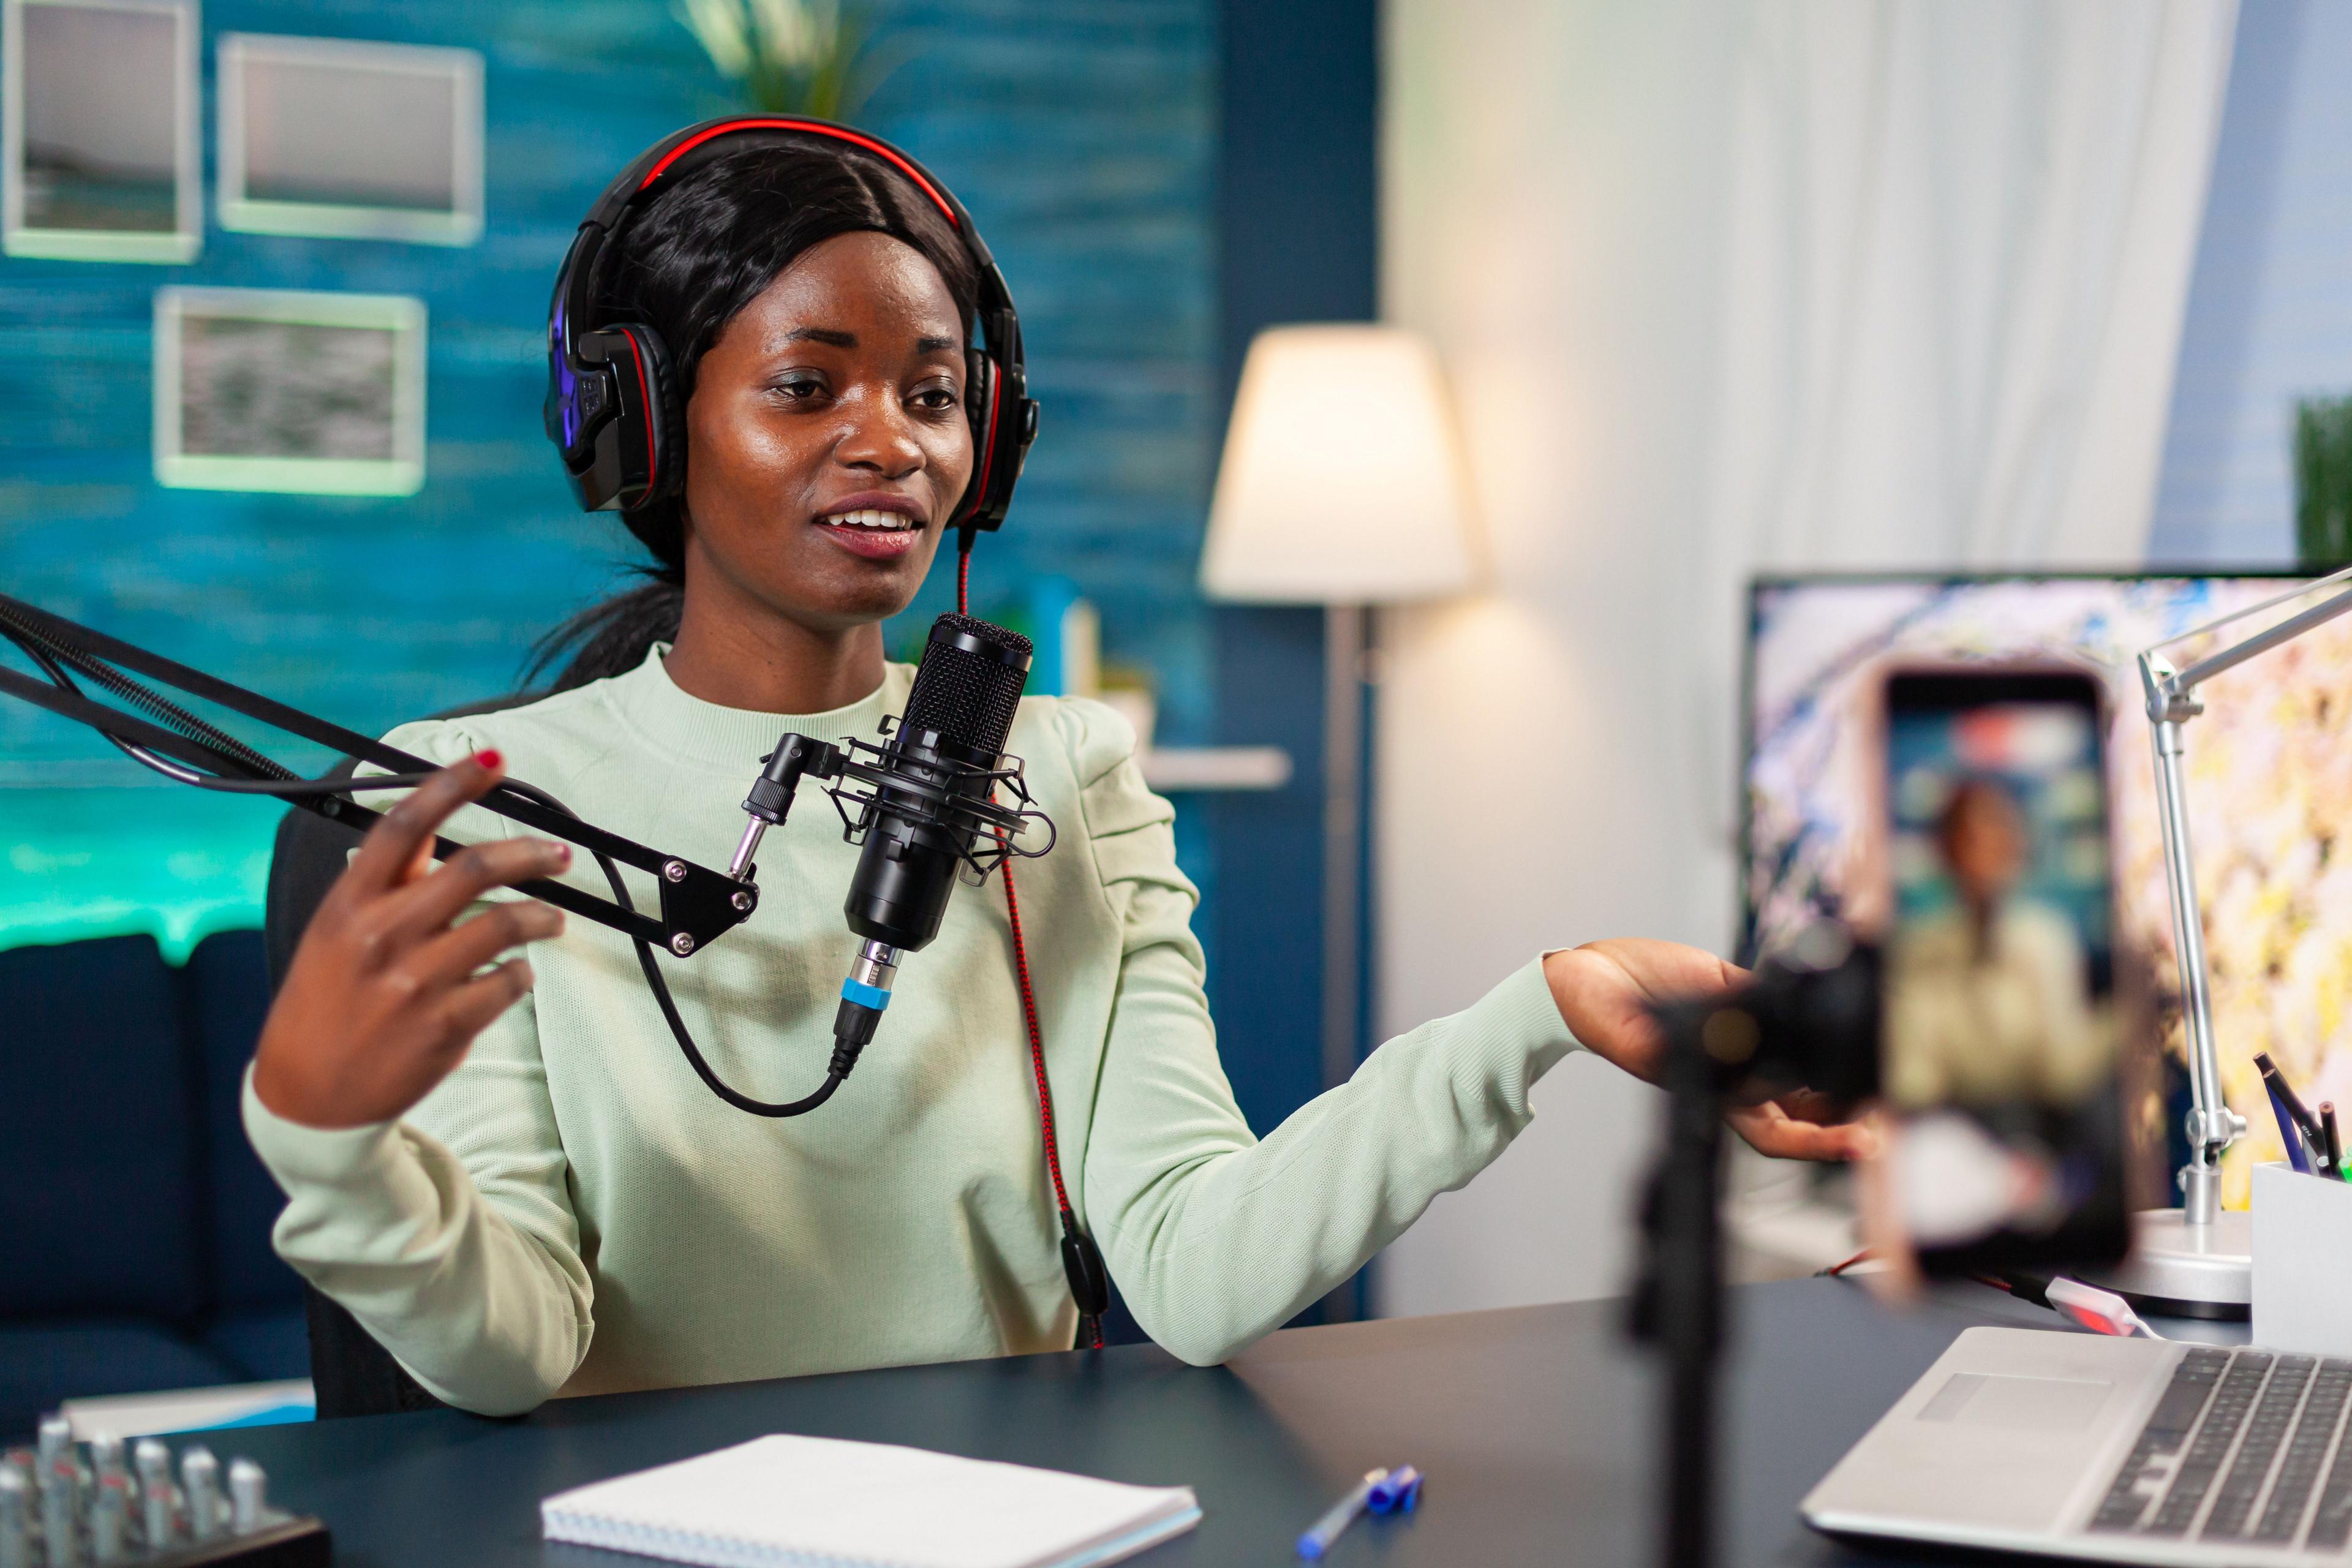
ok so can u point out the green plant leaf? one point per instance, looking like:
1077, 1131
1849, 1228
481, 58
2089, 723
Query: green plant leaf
2323, 481
816, 58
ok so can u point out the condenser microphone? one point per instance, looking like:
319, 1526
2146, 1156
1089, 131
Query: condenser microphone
942, 756
928, 808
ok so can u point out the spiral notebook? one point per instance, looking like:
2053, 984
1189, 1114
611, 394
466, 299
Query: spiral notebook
823, 1503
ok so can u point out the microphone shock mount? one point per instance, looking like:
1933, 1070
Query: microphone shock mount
917, 809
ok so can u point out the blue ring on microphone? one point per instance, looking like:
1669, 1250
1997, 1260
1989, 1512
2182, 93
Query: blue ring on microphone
864, 995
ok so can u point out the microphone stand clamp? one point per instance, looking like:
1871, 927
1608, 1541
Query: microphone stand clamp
939, 794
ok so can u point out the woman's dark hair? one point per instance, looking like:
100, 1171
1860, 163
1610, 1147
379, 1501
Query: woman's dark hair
686, 266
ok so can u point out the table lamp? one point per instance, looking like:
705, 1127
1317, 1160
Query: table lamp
2198, 1259
1340, 486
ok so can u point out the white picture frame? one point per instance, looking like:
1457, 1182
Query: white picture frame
98, 107
346, 139
264, 389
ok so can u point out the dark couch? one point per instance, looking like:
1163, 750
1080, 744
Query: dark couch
136, 1216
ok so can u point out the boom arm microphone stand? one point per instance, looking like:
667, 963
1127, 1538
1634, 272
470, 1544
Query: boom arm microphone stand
697, 904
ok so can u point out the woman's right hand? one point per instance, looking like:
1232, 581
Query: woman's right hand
387, 989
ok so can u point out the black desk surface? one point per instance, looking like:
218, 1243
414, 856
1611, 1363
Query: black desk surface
1533, 1424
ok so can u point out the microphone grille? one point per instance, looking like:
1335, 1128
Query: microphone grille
970, 693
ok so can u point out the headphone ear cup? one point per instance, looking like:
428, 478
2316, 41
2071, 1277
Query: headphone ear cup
664, 411
1004, 423
639, 447
979, 394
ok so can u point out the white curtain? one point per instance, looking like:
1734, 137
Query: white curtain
1726, 285
1960, 237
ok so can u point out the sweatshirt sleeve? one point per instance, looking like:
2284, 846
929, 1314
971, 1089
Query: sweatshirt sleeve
1213, 1236
449, 1235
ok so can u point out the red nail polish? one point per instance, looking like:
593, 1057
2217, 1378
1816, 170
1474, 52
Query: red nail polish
489, 757
563, 853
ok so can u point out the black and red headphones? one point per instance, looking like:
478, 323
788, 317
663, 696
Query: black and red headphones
614, 409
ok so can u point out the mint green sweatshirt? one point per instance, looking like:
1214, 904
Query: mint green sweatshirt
573, 1211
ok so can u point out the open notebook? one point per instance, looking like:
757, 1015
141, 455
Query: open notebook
786, 1502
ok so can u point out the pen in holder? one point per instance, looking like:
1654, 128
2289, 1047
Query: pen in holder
2298, 1158
2299, 1130
2303, 1262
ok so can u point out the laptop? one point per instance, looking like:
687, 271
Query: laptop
2110, 1449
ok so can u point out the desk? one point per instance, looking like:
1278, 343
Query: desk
1533, 1424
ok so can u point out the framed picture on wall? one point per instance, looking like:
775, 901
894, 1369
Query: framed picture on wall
98, 130
268, 390
353, 141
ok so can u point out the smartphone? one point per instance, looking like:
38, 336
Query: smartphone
2002, 1050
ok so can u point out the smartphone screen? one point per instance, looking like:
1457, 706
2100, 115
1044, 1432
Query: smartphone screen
2000, 1053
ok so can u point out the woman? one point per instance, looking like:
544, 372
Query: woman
509, 1176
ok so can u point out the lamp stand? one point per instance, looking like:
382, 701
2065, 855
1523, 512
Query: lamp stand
1343, 791
2197, 1260
1343, 785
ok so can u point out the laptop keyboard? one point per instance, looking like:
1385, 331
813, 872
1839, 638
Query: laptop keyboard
2238, 1449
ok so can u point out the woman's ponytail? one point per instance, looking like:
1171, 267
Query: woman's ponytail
612, 637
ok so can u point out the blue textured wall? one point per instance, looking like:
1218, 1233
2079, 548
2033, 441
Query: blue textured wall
1080, 132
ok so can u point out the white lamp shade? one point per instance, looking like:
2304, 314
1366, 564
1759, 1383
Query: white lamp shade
1340, 482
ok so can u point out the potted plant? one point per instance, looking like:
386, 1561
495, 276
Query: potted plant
791, 56
2322, 482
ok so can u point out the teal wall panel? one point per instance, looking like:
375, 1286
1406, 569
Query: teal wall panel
1080, 132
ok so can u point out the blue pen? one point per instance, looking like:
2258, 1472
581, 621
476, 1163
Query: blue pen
2296, 1158
1399, 1492
2292, 1114
1339, 1517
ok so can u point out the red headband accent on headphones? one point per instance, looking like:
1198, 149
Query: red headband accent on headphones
809, 127
646, 402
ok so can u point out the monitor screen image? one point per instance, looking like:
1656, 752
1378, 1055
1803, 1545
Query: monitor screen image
2270, 788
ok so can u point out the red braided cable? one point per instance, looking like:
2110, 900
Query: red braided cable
1036, 1048
1093, 1327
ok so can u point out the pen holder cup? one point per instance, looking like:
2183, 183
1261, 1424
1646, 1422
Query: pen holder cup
2303, 1262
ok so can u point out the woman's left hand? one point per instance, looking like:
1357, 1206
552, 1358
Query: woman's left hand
1606, 991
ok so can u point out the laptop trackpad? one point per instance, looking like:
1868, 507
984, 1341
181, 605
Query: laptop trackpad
2034, 1403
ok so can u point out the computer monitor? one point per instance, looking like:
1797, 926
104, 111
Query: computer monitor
2270, 792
